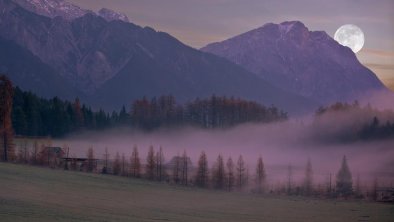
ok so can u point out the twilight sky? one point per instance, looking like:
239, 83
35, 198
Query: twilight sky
199, 22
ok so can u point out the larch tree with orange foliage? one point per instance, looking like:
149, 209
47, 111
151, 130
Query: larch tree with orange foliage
6, 132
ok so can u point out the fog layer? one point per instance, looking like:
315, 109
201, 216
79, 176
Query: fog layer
280, 145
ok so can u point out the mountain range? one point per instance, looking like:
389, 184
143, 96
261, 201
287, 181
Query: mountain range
55, 48
109, 63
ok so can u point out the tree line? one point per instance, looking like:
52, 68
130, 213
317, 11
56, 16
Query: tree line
355, 122
223, 174
35, 116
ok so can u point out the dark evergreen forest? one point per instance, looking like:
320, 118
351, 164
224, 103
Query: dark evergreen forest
355, 122
36, 116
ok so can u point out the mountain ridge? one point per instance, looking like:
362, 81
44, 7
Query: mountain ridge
309, 63
66, 10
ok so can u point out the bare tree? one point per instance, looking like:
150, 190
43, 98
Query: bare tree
116, 167
260, 175
34, 152
308, 181
43, 156
230, 174
106, 159
159, 164
67, 150
23, 152
357, 190
240, 173
185, 169
246, 184
123, 171
176, 170
202, 171
91, 162
74, 165
289, 179
135, 166
329, 185
218, 173
375, 186
150, 164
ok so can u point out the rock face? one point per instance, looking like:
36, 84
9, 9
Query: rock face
66, 10
311, 64
111, 15
53, 8
29, 73
111, 63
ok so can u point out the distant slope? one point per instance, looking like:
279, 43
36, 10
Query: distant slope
29, 73
38, 194
187, 73
114, 62
311, 64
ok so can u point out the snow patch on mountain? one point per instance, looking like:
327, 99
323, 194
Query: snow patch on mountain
285, 27
111, 15
53, 8
66, 10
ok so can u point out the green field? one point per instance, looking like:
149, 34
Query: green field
37, 194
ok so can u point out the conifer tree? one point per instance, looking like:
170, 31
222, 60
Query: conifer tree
260, 175
230, 174
218, 173
79, 120
135, 163
308, 181
344, 180
176, 170
241, 170
357, 190
202, 171
150, 164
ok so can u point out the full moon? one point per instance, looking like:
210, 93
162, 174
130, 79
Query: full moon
351, 36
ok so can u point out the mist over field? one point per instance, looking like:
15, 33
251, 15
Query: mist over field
280, 144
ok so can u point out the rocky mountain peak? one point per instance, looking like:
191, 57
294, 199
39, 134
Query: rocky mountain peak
111, 15
309, 63
286, 27
53, 8
66, 10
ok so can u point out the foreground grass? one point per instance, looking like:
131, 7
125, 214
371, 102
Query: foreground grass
38, 194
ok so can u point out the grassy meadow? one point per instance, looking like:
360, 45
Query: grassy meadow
39, 194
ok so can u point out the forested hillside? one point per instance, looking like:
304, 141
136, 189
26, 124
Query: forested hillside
349, 122
35, 116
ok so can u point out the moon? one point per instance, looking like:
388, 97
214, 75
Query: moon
351, 36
